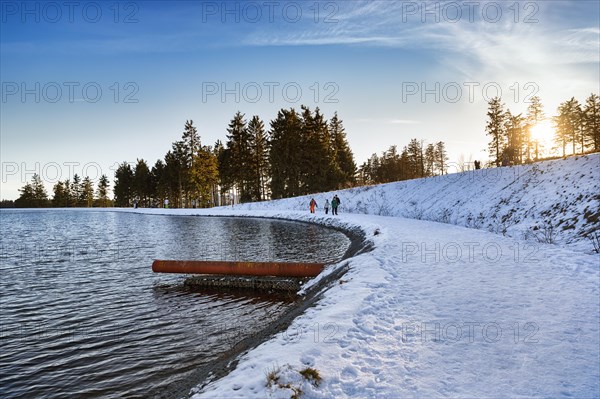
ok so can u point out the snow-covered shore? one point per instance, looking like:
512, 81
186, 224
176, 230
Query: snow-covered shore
434, 310
554, 201
438, 310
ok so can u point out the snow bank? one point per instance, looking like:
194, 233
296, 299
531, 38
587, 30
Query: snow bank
438, 310
434, 310
552, 202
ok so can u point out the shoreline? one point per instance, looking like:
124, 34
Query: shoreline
308, 297
408, 300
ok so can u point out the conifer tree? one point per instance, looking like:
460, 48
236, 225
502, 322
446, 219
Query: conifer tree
591, 122
495, 129
343, 156
441, 157
178, 174
76, 192
33, 195
238, 157
27, 198
514, 130
568, 124
535, 114
285, 154
430, 160
416, 159
142, 182
123, 187
317, 171
87, 193
205, 176
60, 196
102, 191
185, 151
70, 200
259, 150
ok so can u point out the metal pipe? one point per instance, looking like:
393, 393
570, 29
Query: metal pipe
279, 269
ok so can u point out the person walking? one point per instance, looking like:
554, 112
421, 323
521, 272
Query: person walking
166, 203
334, 205
312, 204
326, 206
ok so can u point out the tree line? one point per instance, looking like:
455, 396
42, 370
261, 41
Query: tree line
302, 152
511, 140
76, 193
416, 160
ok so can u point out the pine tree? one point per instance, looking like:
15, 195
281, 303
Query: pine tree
375, 169
102, 192
205, 176
225, 181
430, 160
70, 199
27, 198
76, 191
186, 151
441, 157
514, 130
216, 191
33, 195
317, 170
416, 159
535, 114
87, 193
259, 149
60, 197
238, 157
591, 121
343, 156
568, 124
174, 175
142, 182
158, 183
495, 129
123, 187
391, 166
285, 154
39, 192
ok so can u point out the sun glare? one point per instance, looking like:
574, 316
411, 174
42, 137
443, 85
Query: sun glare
543, 132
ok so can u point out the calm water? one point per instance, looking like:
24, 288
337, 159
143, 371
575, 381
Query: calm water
82, 314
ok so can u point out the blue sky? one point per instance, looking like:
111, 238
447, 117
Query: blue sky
392, 70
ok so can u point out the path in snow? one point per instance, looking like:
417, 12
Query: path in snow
437, 310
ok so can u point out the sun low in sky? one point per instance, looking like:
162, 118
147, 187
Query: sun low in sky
86, 85
543, 134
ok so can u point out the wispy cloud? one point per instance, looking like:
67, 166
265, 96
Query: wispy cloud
475, 47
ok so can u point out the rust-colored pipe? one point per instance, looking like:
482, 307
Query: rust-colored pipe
279, 269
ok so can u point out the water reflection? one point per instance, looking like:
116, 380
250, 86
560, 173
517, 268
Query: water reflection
82, 315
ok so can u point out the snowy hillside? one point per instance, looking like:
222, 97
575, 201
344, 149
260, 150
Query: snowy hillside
431, 311
556, 202
437, 310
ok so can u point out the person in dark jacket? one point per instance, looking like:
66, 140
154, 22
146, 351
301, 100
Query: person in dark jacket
335, 203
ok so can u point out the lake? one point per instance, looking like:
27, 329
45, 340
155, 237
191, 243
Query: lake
82, 314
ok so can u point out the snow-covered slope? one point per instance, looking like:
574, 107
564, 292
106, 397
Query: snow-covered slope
551, 202
432, 311
436, 310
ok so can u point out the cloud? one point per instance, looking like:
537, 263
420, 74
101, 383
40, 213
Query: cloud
474, 45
